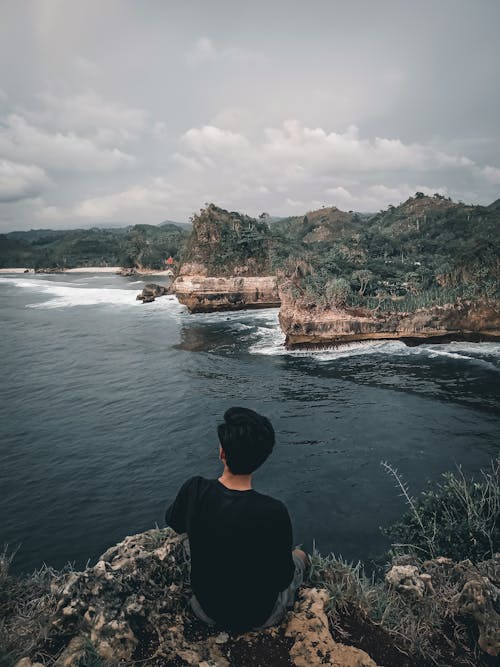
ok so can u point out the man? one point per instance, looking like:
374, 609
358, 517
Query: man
244, 574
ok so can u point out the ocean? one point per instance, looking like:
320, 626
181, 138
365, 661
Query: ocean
107, 405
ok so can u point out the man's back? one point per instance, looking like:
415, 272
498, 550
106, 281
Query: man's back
241, 550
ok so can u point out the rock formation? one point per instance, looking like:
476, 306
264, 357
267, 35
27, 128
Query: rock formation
477, 596
206, 294
132, 607
226, 264
313, 326
151, 291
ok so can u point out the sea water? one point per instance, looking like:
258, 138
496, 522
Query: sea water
107, 405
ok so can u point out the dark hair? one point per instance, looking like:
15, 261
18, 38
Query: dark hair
247, 439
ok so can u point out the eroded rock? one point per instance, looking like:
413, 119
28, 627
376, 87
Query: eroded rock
313, 644
207, 293
151, 291
312, 326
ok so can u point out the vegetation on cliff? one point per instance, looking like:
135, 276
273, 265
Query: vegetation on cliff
132, 607
228, 243
427, 251
139, 246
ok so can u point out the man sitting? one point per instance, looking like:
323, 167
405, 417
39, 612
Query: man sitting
244, 573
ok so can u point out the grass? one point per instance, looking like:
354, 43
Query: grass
457, 518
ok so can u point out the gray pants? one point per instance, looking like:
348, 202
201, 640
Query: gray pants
284, 601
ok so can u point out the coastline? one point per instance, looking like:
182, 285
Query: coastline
91, 269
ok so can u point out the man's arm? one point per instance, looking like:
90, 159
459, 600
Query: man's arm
176, 514
284, 564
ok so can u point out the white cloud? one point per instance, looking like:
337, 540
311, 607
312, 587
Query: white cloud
140, 203
492, 174
213, 141
205, 51
21, 181
21, 141
87, 112
298, 164
376, 197
288, 170
300, 153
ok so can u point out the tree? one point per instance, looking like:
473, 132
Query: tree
362, 277
336, 292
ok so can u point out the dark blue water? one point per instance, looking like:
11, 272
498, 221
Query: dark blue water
107, 405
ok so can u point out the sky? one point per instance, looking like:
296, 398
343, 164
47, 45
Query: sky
138, 111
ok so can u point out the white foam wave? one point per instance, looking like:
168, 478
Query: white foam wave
271, 342
61, 294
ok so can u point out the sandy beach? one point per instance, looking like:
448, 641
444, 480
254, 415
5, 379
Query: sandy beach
94, 269
16, 270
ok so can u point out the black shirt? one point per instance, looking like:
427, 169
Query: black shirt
241, 550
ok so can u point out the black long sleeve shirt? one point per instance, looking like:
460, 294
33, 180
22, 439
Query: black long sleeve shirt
241, 550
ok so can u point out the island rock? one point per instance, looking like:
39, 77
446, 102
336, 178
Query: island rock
226, 264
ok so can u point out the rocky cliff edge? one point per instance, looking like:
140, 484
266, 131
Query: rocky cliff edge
201, 293
132, 608
306, 325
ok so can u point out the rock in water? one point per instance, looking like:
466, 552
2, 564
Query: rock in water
151, 291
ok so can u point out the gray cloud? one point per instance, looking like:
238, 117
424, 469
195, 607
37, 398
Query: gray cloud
140, 113
21, 181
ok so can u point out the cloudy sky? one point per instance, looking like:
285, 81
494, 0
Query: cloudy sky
124, 111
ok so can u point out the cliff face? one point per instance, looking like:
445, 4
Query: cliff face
203, 294
226, 264
310, 326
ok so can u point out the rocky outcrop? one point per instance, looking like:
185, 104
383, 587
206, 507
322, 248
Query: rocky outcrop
477, 591
313, 326
312, 642
201, 293
151, 291
133, 607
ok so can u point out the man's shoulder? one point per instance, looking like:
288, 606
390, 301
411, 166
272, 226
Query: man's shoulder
272, 504
194, 484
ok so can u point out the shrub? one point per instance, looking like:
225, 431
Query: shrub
457, 519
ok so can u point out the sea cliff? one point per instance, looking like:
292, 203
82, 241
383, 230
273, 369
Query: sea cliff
132, 607
312, 326
226, 264
203, 294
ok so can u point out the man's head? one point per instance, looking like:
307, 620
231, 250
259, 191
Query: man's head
247, 439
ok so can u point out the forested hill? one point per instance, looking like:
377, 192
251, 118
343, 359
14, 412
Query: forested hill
140, 246
428, 250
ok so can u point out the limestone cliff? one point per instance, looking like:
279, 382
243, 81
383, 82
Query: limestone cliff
226, 264
306, 325
208, 293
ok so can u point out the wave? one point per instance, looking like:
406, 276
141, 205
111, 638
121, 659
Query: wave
271, 341
65, 294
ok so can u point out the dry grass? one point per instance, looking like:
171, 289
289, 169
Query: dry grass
27, 607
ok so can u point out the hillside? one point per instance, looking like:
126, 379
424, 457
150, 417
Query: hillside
427, 251
140, 246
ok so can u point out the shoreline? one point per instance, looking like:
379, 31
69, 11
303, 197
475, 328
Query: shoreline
90, 269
